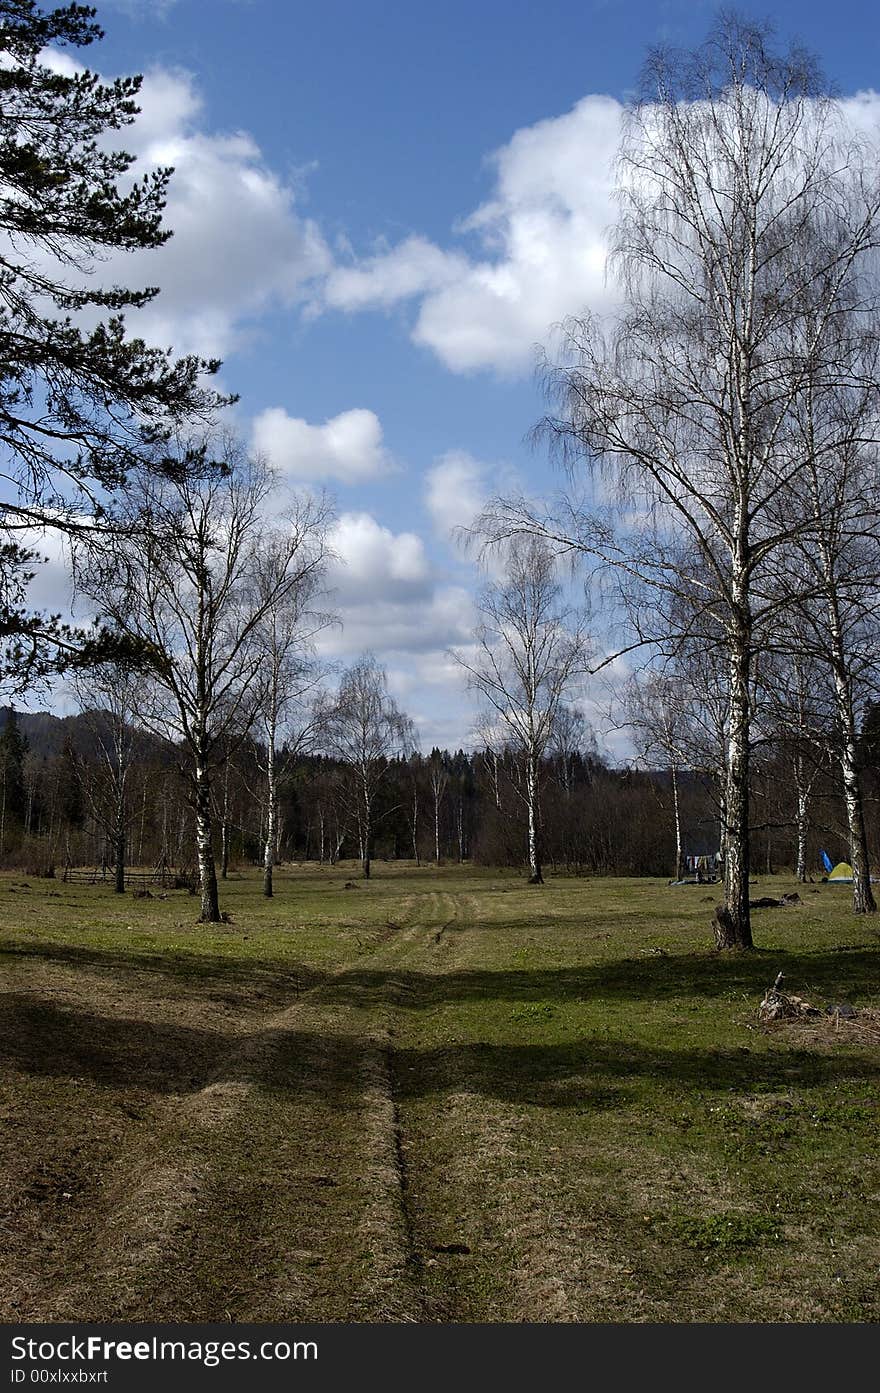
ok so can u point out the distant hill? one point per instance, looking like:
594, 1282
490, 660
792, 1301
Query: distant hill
47, 735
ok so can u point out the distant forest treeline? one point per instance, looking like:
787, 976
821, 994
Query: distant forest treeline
446, 806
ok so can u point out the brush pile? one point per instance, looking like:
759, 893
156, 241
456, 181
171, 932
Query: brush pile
778, 1005
834, 1024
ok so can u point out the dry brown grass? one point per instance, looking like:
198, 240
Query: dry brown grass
831, 1031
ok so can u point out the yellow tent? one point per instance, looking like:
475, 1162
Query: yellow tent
842, 871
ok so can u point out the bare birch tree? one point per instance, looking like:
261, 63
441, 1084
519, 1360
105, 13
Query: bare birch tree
747, 217
290, 674
365, 729
530, 649
796, 714
439, 781
572, 736
838, 628
108, 699
181, 582
654, 707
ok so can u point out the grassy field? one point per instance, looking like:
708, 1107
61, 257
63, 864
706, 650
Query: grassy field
440, 1096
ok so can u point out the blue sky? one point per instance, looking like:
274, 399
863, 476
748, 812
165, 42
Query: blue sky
379, 209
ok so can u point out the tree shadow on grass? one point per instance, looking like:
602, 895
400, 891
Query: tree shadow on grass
44, 1040
850, 971
612, 1071
827, 974
205, 972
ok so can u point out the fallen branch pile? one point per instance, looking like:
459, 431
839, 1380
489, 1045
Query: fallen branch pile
778, 1005
836, 1023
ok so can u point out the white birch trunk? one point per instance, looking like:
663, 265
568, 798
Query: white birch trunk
535, 876
366, 828
271, 817
863, 896
205, 847
733, 928
119, 842
803, 822
676, 814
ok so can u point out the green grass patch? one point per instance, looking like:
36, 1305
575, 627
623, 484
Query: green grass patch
723, 1231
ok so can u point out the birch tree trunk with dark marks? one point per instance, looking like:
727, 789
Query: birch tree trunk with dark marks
366, 823
119, 843
535, 875
414, 816
863, 895
210, 900
676, 818
271, 814
734, 930
439, 785
224, 828
802, 825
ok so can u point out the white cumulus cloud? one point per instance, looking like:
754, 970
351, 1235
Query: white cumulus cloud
414, 267
377, 565
541, 245
389, 596
240, 246
455, 491
402, 630
542, 249
348, 447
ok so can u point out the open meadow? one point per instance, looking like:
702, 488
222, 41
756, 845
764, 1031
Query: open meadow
441, 1095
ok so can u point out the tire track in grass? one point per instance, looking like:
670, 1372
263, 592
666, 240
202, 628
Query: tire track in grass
458, 1270
314, 1082
500, 1233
